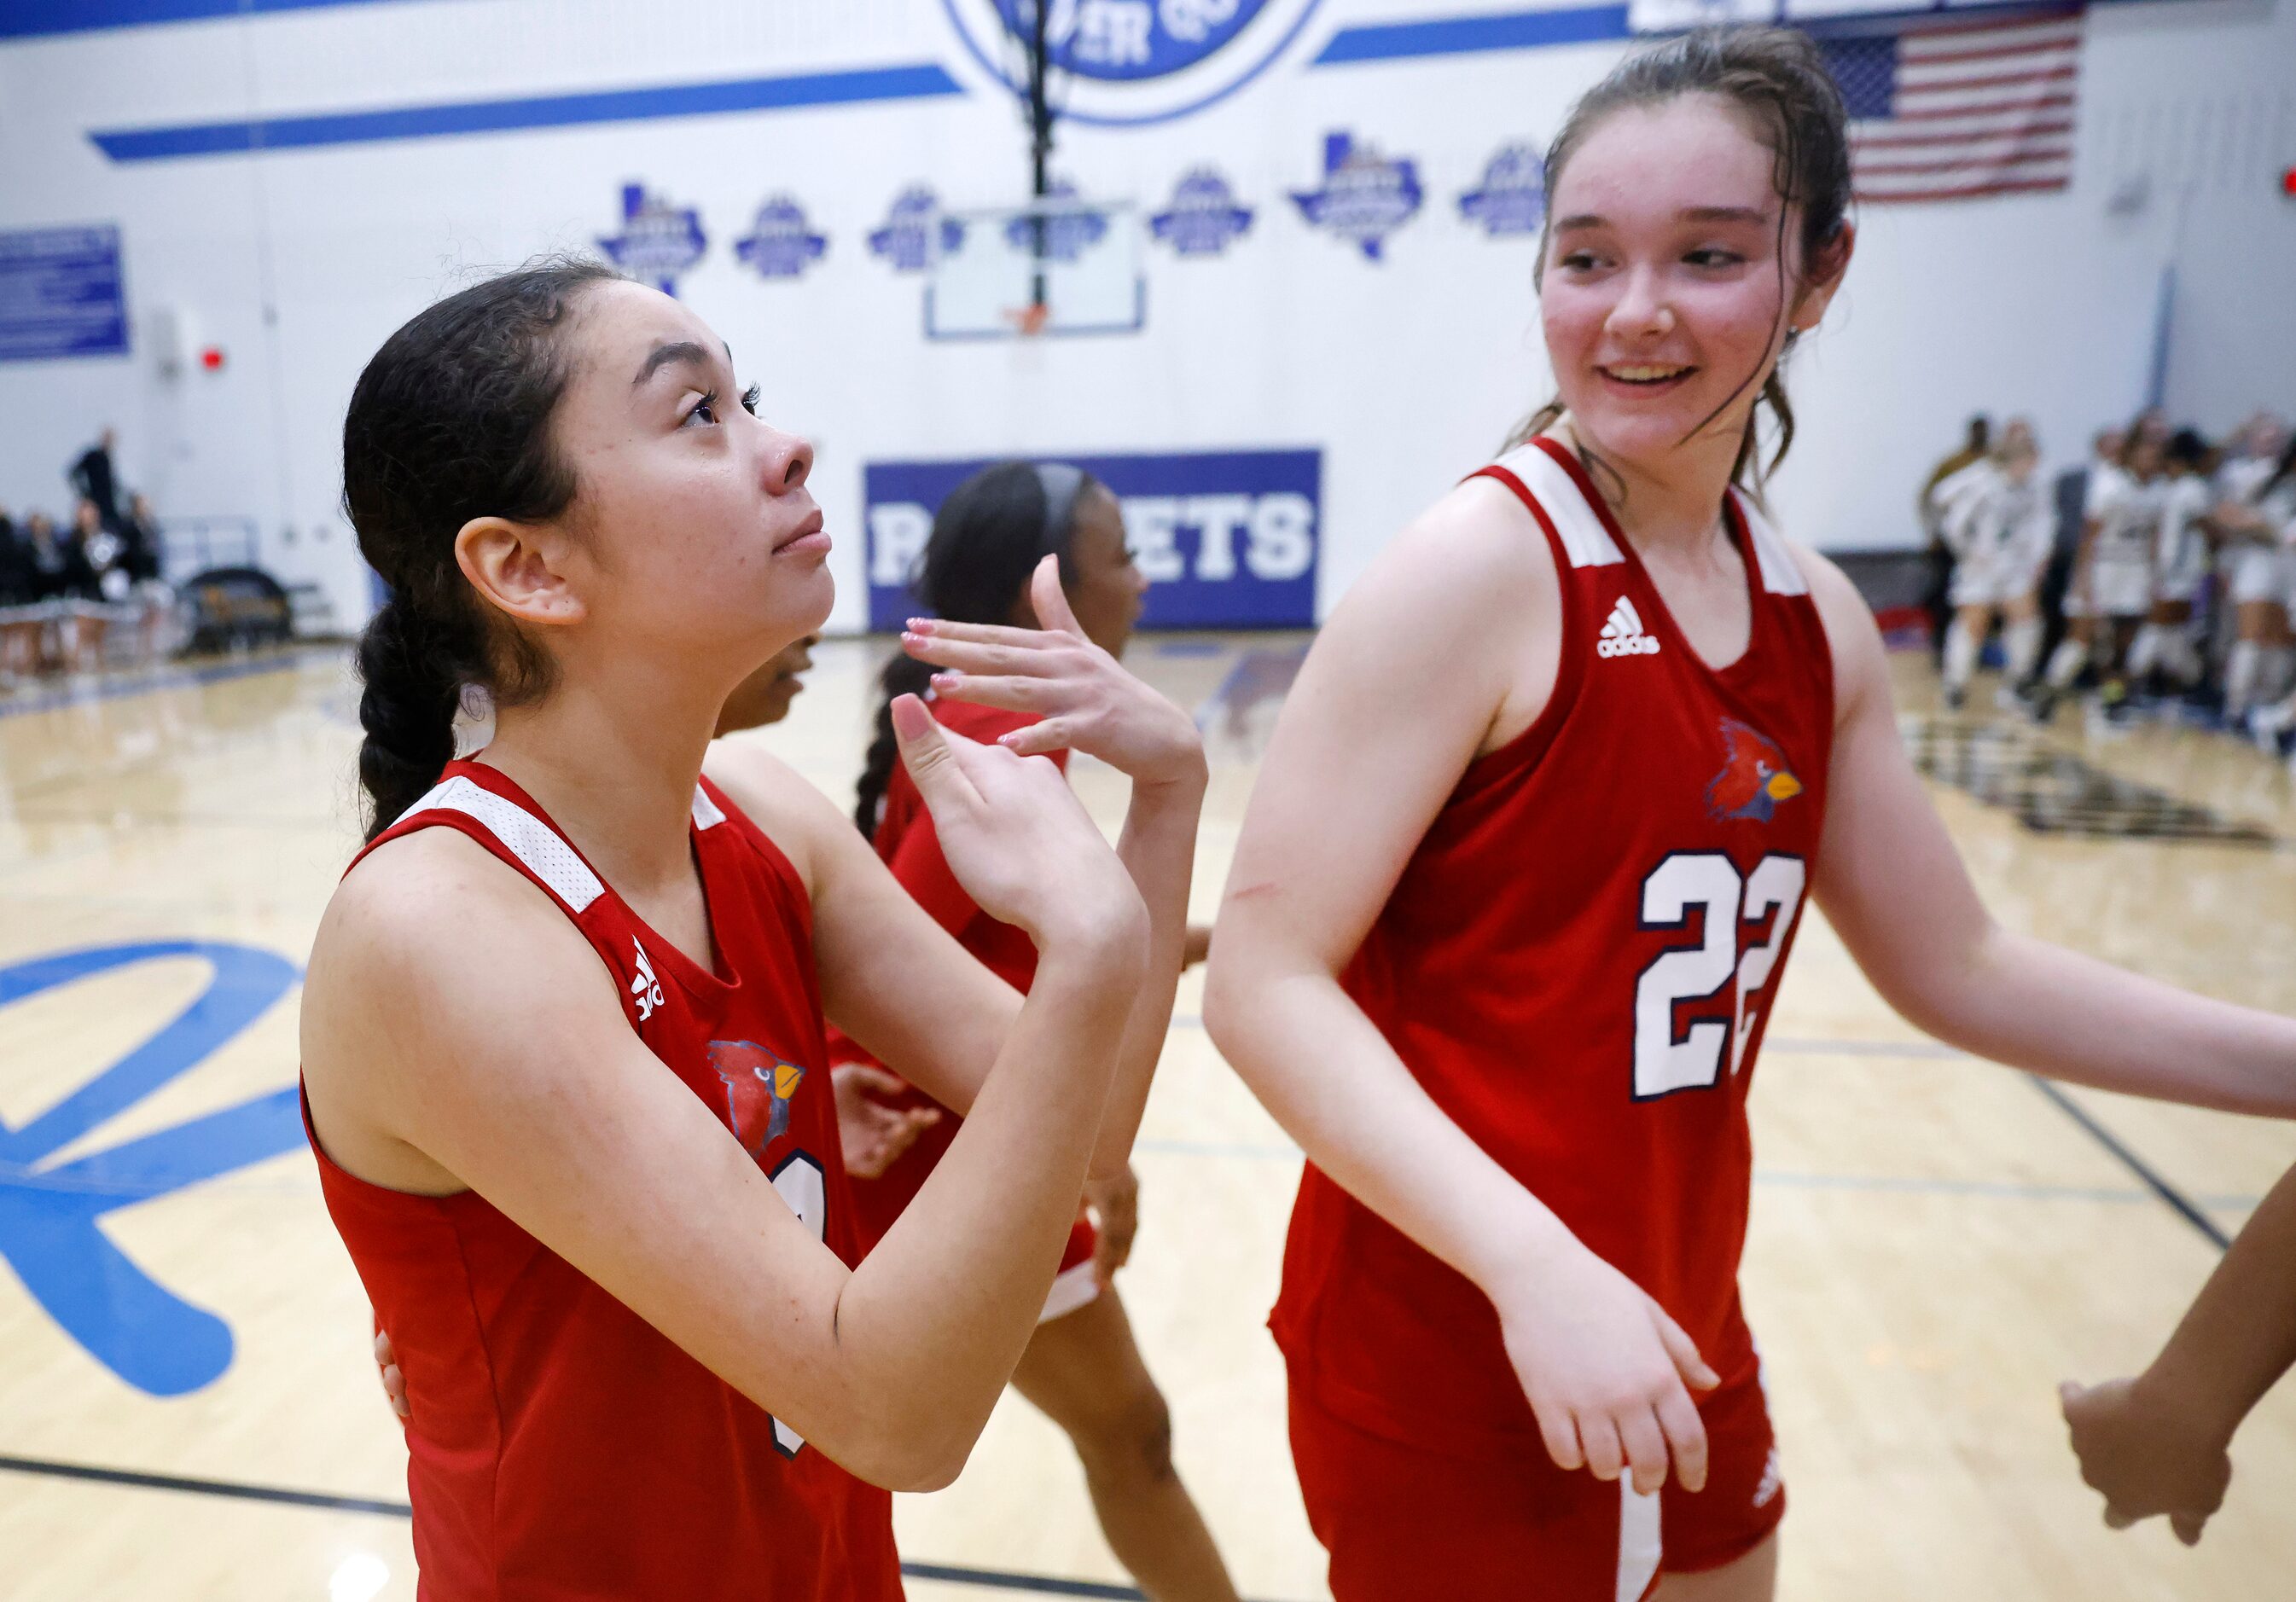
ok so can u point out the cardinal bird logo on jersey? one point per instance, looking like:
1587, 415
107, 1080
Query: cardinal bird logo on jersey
1754, 780
759, 1086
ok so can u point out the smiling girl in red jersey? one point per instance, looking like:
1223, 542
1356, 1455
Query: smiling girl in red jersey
1522, 871
563, 1031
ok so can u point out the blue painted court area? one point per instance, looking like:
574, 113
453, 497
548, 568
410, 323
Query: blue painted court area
50, 1216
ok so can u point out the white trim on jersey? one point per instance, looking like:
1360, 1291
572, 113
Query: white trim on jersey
1780, 574
705, 815
1640, 1545
526, 837
1072, 1288
1577, 525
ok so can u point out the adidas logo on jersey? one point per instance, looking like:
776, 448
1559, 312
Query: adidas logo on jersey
1623, 636
645, 987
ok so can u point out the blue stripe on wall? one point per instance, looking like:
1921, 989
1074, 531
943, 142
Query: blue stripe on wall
42, 19
1463, 35
540, 111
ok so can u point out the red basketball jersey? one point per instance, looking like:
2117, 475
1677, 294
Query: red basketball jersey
560, 1445
1576, 964
906, 841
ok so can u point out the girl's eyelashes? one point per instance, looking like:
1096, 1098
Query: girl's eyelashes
706, 408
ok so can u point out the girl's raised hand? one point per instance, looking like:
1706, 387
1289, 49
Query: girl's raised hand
1085, 699
1015, 836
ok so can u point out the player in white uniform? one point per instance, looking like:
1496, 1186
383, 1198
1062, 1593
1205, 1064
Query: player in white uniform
1996, 522
2256, 551
2112, 589
2168, 648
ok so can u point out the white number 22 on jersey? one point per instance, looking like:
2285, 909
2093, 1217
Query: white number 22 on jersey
801, 1184
1709, 881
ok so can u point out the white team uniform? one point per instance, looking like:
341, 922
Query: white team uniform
1998, 531
2262, 569
2182, 555
2118, 580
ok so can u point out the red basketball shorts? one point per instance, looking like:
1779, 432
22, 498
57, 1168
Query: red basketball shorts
1403, 1523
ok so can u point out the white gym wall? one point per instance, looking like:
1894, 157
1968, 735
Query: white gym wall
1405, 372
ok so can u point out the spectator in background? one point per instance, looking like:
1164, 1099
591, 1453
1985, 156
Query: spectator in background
2113, 583
105, 586
1931, 509
93, 478
1997, 523
139, 533
2260, 530
2167, 647
59, 565
2072, 490
20, 619
140, 562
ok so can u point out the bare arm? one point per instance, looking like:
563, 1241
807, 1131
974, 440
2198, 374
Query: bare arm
889, 1368
1894, 890
1444, 650
2160, 1442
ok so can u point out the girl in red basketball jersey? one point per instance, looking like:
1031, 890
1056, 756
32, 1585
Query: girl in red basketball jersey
563, 1031
1521, 876
1083, 1369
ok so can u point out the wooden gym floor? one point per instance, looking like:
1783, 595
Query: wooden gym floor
187, 1410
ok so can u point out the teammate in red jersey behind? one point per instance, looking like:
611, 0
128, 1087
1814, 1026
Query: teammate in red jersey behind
1083, 1369
563, 1031
1521, 876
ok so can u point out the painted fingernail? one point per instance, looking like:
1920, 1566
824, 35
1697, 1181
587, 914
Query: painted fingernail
920, 626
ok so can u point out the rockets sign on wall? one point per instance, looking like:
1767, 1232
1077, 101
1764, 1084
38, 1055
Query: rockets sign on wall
1227, 539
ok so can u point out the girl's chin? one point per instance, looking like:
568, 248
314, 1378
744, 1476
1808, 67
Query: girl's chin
1639, 435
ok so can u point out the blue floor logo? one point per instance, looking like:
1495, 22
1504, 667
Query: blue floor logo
1366, 196
50, 1213
658, 243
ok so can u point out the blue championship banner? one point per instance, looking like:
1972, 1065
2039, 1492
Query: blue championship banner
60, 294
1228, 539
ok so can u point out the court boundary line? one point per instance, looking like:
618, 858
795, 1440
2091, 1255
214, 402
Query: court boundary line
945, 1574
2176, 1200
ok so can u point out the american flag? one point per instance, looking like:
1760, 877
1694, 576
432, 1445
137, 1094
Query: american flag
1949, 111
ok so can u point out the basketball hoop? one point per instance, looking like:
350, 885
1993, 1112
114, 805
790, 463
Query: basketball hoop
1029, 320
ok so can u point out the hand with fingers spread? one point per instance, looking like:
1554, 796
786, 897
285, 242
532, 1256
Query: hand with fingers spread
873, 1125
1084, 699
1608, 1373
1115, 1204
1015, 836
2148, 1453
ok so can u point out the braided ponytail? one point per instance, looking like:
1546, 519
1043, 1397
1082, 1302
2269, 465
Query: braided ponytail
451, 421
407, 709
903, 675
